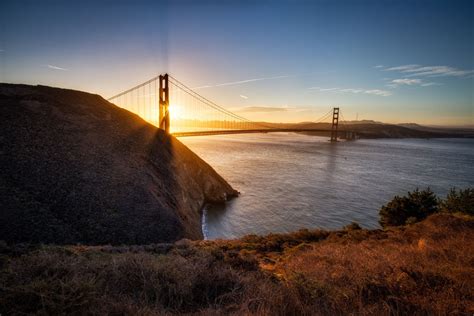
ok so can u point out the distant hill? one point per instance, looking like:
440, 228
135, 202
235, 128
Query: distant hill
411, 125
77, 169
373, 129
462, 130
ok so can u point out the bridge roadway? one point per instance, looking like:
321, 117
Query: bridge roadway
249, 131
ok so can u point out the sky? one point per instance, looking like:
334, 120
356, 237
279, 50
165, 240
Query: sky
278, 61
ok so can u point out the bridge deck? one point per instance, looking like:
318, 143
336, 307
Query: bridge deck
251, 131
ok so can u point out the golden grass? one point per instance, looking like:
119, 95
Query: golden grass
423, 269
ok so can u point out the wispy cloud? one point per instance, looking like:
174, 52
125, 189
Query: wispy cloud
260, 109
383, 93
201, 87
250, 80
244, 96
2, 50
406, 81
429, 84
414, 70
232, 83
410, 82
402, 68
352, 90
56, 68
379, 66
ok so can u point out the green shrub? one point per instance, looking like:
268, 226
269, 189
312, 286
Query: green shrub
461, 201
411, 220
418, 204
352, 226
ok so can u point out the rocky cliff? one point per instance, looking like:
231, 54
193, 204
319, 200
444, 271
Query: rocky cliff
78, 169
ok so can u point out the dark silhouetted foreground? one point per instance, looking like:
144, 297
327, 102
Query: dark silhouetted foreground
76, 168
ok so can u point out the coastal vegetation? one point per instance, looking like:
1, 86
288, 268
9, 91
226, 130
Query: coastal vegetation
418, 205
417, 269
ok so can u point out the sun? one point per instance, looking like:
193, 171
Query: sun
176, 112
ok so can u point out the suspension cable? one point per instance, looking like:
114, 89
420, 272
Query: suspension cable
206, 101
136, 87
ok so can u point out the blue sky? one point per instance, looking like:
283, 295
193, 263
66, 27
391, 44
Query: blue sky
393, 61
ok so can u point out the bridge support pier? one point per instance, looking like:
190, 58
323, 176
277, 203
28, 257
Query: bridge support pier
335, 123
164, 114
350, 135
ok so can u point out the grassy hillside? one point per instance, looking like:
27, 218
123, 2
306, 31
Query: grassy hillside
422, 269
76, 168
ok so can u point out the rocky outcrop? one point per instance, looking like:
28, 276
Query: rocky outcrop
78, 169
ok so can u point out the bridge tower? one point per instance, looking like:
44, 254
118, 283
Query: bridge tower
335, 123
164, 114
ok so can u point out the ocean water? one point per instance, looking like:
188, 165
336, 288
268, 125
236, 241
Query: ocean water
290, 181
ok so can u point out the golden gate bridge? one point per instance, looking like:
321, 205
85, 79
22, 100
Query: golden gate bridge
172, 106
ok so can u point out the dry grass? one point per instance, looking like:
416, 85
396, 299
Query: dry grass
423, 269
426, 269
60, 280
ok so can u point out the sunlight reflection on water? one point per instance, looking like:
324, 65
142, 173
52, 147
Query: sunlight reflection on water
289, 181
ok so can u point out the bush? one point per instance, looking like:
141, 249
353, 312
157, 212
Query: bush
352, 226
461, 201
418, 204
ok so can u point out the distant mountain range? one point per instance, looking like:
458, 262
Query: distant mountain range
374, 129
